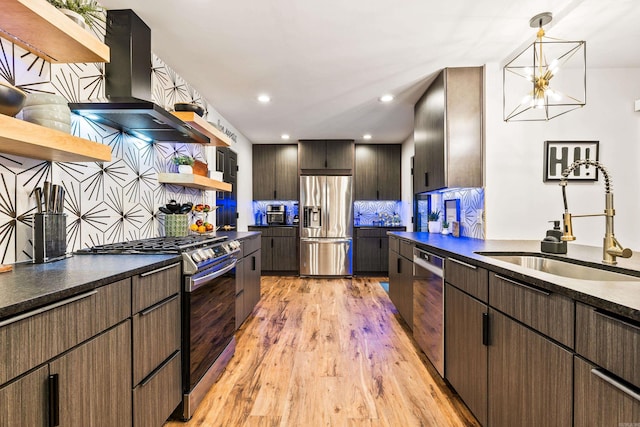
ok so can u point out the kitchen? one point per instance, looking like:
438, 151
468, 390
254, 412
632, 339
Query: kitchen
109, 214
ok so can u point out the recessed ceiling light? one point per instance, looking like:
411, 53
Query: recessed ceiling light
264, 98
366, 136
285, 136
386, 98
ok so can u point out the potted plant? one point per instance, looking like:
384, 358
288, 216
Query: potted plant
434, 221
83, 12
445, 227
184, 163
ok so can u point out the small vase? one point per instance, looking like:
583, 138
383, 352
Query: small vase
75, 17
445, 231
434, 226
185, 169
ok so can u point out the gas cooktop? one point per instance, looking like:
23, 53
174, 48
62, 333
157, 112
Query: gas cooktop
156, 245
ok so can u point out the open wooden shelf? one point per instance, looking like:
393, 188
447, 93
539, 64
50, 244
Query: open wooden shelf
26, 139
43, 30
217, 138
193, 181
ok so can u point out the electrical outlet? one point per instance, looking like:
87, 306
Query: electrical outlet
479, 216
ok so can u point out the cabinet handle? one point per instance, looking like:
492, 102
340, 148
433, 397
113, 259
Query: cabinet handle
464, 264
47, 308
485, 329
617, 384
54, 400
326, 164
522, 285
272, 242
377, 194
426, 179
617, 319
149, 273
380, 243
399, 264
253, 263
275, 194
159, 368
158, 305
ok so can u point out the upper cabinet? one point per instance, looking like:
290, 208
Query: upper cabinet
275, 172
40, 28
322, 157
449, 131
377, 172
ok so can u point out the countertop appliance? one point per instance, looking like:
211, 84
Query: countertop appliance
428, 306
326, 226
208, 306
276, 214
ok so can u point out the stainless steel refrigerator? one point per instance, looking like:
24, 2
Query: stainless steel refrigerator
326, 207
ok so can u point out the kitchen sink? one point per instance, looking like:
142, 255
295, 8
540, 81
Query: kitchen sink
560, 267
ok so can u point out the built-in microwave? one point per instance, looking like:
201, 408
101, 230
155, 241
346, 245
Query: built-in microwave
276, 214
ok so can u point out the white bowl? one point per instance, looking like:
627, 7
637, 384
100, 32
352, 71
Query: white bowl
52, 124
44, 98
47, 114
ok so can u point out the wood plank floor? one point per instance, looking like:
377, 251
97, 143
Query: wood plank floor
327, 352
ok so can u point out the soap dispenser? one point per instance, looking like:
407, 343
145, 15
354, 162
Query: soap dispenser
553, 243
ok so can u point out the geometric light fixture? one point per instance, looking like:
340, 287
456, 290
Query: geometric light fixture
547, 79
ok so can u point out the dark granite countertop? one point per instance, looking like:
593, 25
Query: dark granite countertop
379, 226
620, 297
274, 225
29, 286
237, 235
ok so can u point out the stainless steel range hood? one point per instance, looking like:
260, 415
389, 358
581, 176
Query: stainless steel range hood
128, 106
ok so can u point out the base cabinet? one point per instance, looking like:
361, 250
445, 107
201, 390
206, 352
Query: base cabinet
401, 285
248, 273
601, 399
530, 377
371, 250
466, 351
279, 248
24, 402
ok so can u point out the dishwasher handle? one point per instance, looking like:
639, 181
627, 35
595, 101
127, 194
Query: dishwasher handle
428, 261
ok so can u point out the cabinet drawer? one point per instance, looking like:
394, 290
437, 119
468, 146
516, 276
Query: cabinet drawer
154, 286
610, 342
394, 244
283, 232
156, 335
406, 249
550, 313
155, 399
251, 245
601, 400
32, 338
113, 304
472, 279
369, 232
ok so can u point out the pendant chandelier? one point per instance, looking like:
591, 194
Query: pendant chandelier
547, 79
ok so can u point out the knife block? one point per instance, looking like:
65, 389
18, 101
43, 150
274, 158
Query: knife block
49, 237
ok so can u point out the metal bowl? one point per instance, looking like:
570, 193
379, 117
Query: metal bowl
189, 106
12, 99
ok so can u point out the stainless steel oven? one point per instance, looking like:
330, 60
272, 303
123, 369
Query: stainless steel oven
208, 326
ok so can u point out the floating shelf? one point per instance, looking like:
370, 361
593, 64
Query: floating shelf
218, 138
26, 139
193, 181
40, 28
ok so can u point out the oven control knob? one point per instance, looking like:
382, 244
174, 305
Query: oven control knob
196, 256
209, 253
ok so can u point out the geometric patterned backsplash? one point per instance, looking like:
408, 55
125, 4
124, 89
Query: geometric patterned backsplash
370, 211
105, 202
471, 210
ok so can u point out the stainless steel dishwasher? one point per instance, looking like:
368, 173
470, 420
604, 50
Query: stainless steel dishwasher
428, 306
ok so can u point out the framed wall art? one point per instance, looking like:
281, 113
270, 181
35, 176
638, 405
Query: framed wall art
559, 155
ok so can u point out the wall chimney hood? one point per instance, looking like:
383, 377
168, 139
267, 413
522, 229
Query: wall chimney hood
128, 106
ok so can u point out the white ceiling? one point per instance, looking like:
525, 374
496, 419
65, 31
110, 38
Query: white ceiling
325, 63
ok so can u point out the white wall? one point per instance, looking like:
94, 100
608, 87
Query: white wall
519, 204
407, 181
242, 146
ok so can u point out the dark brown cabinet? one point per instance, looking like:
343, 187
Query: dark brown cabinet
448, 121
320, 156
279, 248
371, 249
275, 172
530, 377
248, 272
466, 350
601, 399
401, 279
377, 172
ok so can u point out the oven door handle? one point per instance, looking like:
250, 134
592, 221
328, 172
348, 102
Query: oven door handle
196, 283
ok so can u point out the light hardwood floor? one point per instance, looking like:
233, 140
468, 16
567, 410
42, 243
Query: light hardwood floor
327, 352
